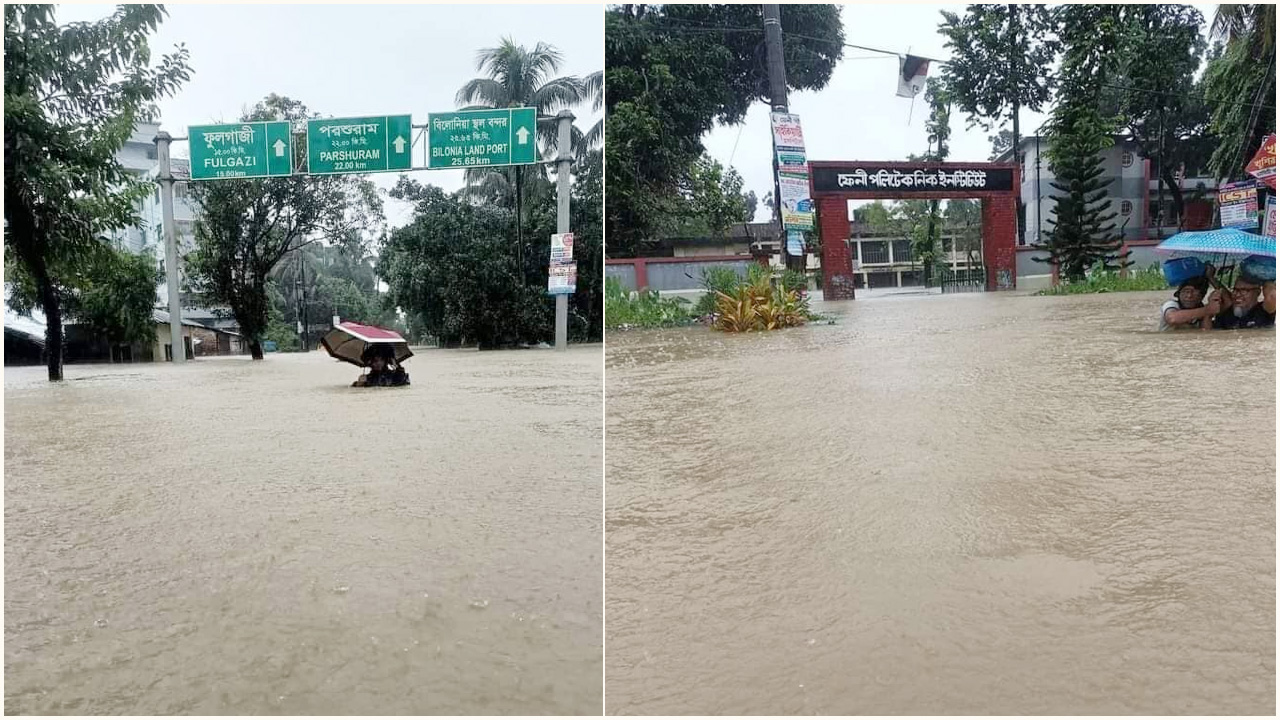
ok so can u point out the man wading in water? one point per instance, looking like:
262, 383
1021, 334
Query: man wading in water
1187, 308
1242, 308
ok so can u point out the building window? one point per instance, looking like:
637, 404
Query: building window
180, 191
874, 251
902, 251
1126, 208
151, 153
1126, 159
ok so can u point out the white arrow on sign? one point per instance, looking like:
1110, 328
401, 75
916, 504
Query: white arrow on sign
279, 146
522, 136
399, 143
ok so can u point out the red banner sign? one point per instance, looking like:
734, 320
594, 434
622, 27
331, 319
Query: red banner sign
1263, 165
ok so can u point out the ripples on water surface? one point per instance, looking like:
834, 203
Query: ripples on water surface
257, 538
964, 504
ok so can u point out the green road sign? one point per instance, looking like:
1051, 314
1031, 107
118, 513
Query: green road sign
359, 145
243, 150
468, 138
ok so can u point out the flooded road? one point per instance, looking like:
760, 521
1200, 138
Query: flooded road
965, 504
233, 537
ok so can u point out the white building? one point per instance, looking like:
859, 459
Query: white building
1135, 194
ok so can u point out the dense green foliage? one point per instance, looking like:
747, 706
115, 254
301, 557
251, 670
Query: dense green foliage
455, 274
111, 290
1101, 280
643, 309
1240, 85
246, 227
72, 95
672, 74
1001, 61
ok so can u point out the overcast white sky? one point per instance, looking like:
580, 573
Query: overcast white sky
857, 116
345, 60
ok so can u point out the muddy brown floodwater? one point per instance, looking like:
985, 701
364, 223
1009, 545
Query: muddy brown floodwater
258, 538
964, 504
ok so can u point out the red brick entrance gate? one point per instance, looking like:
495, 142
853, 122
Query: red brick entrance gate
832, 184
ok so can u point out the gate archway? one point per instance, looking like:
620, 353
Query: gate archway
833, 183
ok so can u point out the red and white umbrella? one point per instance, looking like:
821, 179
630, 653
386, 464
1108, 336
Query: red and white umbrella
357, 344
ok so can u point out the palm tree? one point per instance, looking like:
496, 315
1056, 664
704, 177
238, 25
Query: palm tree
515, 76
593, 85
1254, 24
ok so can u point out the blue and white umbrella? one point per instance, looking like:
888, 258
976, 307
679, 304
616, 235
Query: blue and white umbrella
1227, 241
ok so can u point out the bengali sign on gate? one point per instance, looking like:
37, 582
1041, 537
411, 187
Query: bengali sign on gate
852, 177
1238, 205
380, 143
242, 150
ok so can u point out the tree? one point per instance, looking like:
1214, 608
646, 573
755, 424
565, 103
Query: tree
245, 227
710, 200
1082, 234
111, 290
1160, 53
1240, 86
1001, 143
451, 269
515, 76
1001, 60
72, 95
963, 218
926, 245
673, 72
752, 202
593, 87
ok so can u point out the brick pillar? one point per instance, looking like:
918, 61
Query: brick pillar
642, 274
837, 262
999, 241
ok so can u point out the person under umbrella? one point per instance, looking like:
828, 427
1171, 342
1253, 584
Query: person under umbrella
383, 369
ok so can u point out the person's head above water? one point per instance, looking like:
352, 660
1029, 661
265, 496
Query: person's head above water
1244, 295
1190, 293
378, 362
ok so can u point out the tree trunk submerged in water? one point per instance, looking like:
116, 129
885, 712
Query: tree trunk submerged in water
255, 349
51, 304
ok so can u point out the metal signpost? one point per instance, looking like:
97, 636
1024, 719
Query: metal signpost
469, 138
378, 143
242, 150
359, 145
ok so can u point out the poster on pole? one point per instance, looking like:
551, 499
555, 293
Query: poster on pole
562, 279
786, 132
1238, 205
795, 243
561, 248
1269, 223
797, 208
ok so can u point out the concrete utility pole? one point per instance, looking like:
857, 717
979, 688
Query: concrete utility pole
778, 100
564, 163
172, 269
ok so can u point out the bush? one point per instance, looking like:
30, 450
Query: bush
716, 279
642, 309
1101, 280
760, 304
